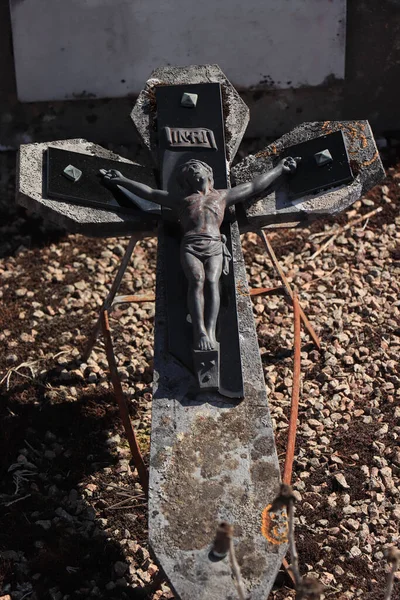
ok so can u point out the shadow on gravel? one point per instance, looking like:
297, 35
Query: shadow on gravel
17, 227
25, 231
54, 537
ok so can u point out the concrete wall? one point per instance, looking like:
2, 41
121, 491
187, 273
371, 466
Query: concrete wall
369, 90
107, 48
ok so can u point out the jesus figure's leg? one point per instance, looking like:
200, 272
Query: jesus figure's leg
194, 271
213, 270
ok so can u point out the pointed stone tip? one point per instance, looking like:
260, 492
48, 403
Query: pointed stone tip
189, 100
323, 158
72, 173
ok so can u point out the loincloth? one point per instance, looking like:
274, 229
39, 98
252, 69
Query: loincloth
204, 245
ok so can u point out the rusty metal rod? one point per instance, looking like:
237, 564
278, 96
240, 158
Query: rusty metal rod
222, 546
129, 298
236, 572
123, 408
271, 290
223, 536
288, 570
289, 290
294, 409
108, 301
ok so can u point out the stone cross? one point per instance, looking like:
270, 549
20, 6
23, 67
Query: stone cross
212, 459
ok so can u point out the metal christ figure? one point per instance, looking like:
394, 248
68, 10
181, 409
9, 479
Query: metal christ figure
200, 209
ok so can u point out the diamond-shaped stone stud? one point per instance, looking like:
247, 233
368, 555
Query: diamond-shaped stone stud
72, 173
189, 100
323, 158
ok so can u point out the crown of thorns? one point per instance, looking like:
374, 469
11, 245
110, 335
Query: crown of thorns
193, 164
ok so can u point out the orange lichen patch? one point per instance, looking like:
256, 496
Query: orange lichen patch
363, 138
270, 151
354, 133
150, 91
241, 289
357, 139
357, 135
274, 525
369, 162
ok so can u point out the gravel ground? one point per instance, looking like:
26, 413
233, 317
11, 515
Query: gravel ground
73, 518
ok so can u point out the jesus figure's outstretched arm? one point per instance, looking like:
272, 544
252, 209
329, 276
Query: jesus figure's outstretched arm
259, 184
113, 178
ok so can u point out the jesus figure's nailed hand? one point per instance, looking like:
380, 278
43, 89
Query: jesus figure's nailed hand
289, 164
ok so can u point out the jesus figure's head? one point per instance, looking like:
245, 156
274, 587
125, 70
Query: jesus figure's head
195, 176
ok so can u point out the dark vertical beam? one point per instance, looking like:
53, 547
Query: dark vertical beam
207, 115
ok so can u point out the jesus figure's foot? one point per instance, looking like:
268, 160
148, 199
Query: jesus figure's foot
212, 338
203, 342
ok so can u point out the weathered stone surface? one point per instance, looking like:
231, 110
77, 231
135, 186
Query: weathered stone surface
211, 461
236, 113
277, 209
76, 219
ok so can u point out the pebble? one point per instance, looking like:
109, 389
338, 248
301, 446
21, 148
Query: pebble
368, 202
114, 439
73, 496
110, 586
143, 575
341, 480
120, 568
21, 292
10, 555
45, 524
11, 359
49, 454
353, 524
350, 510
60, 512
25, 337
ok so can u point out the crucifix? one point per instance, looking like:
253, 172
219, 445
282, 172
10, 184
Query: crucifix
213, 455
200, 209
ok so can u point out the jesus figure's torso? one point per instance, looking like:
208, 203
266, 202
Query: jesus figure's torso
202, 213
